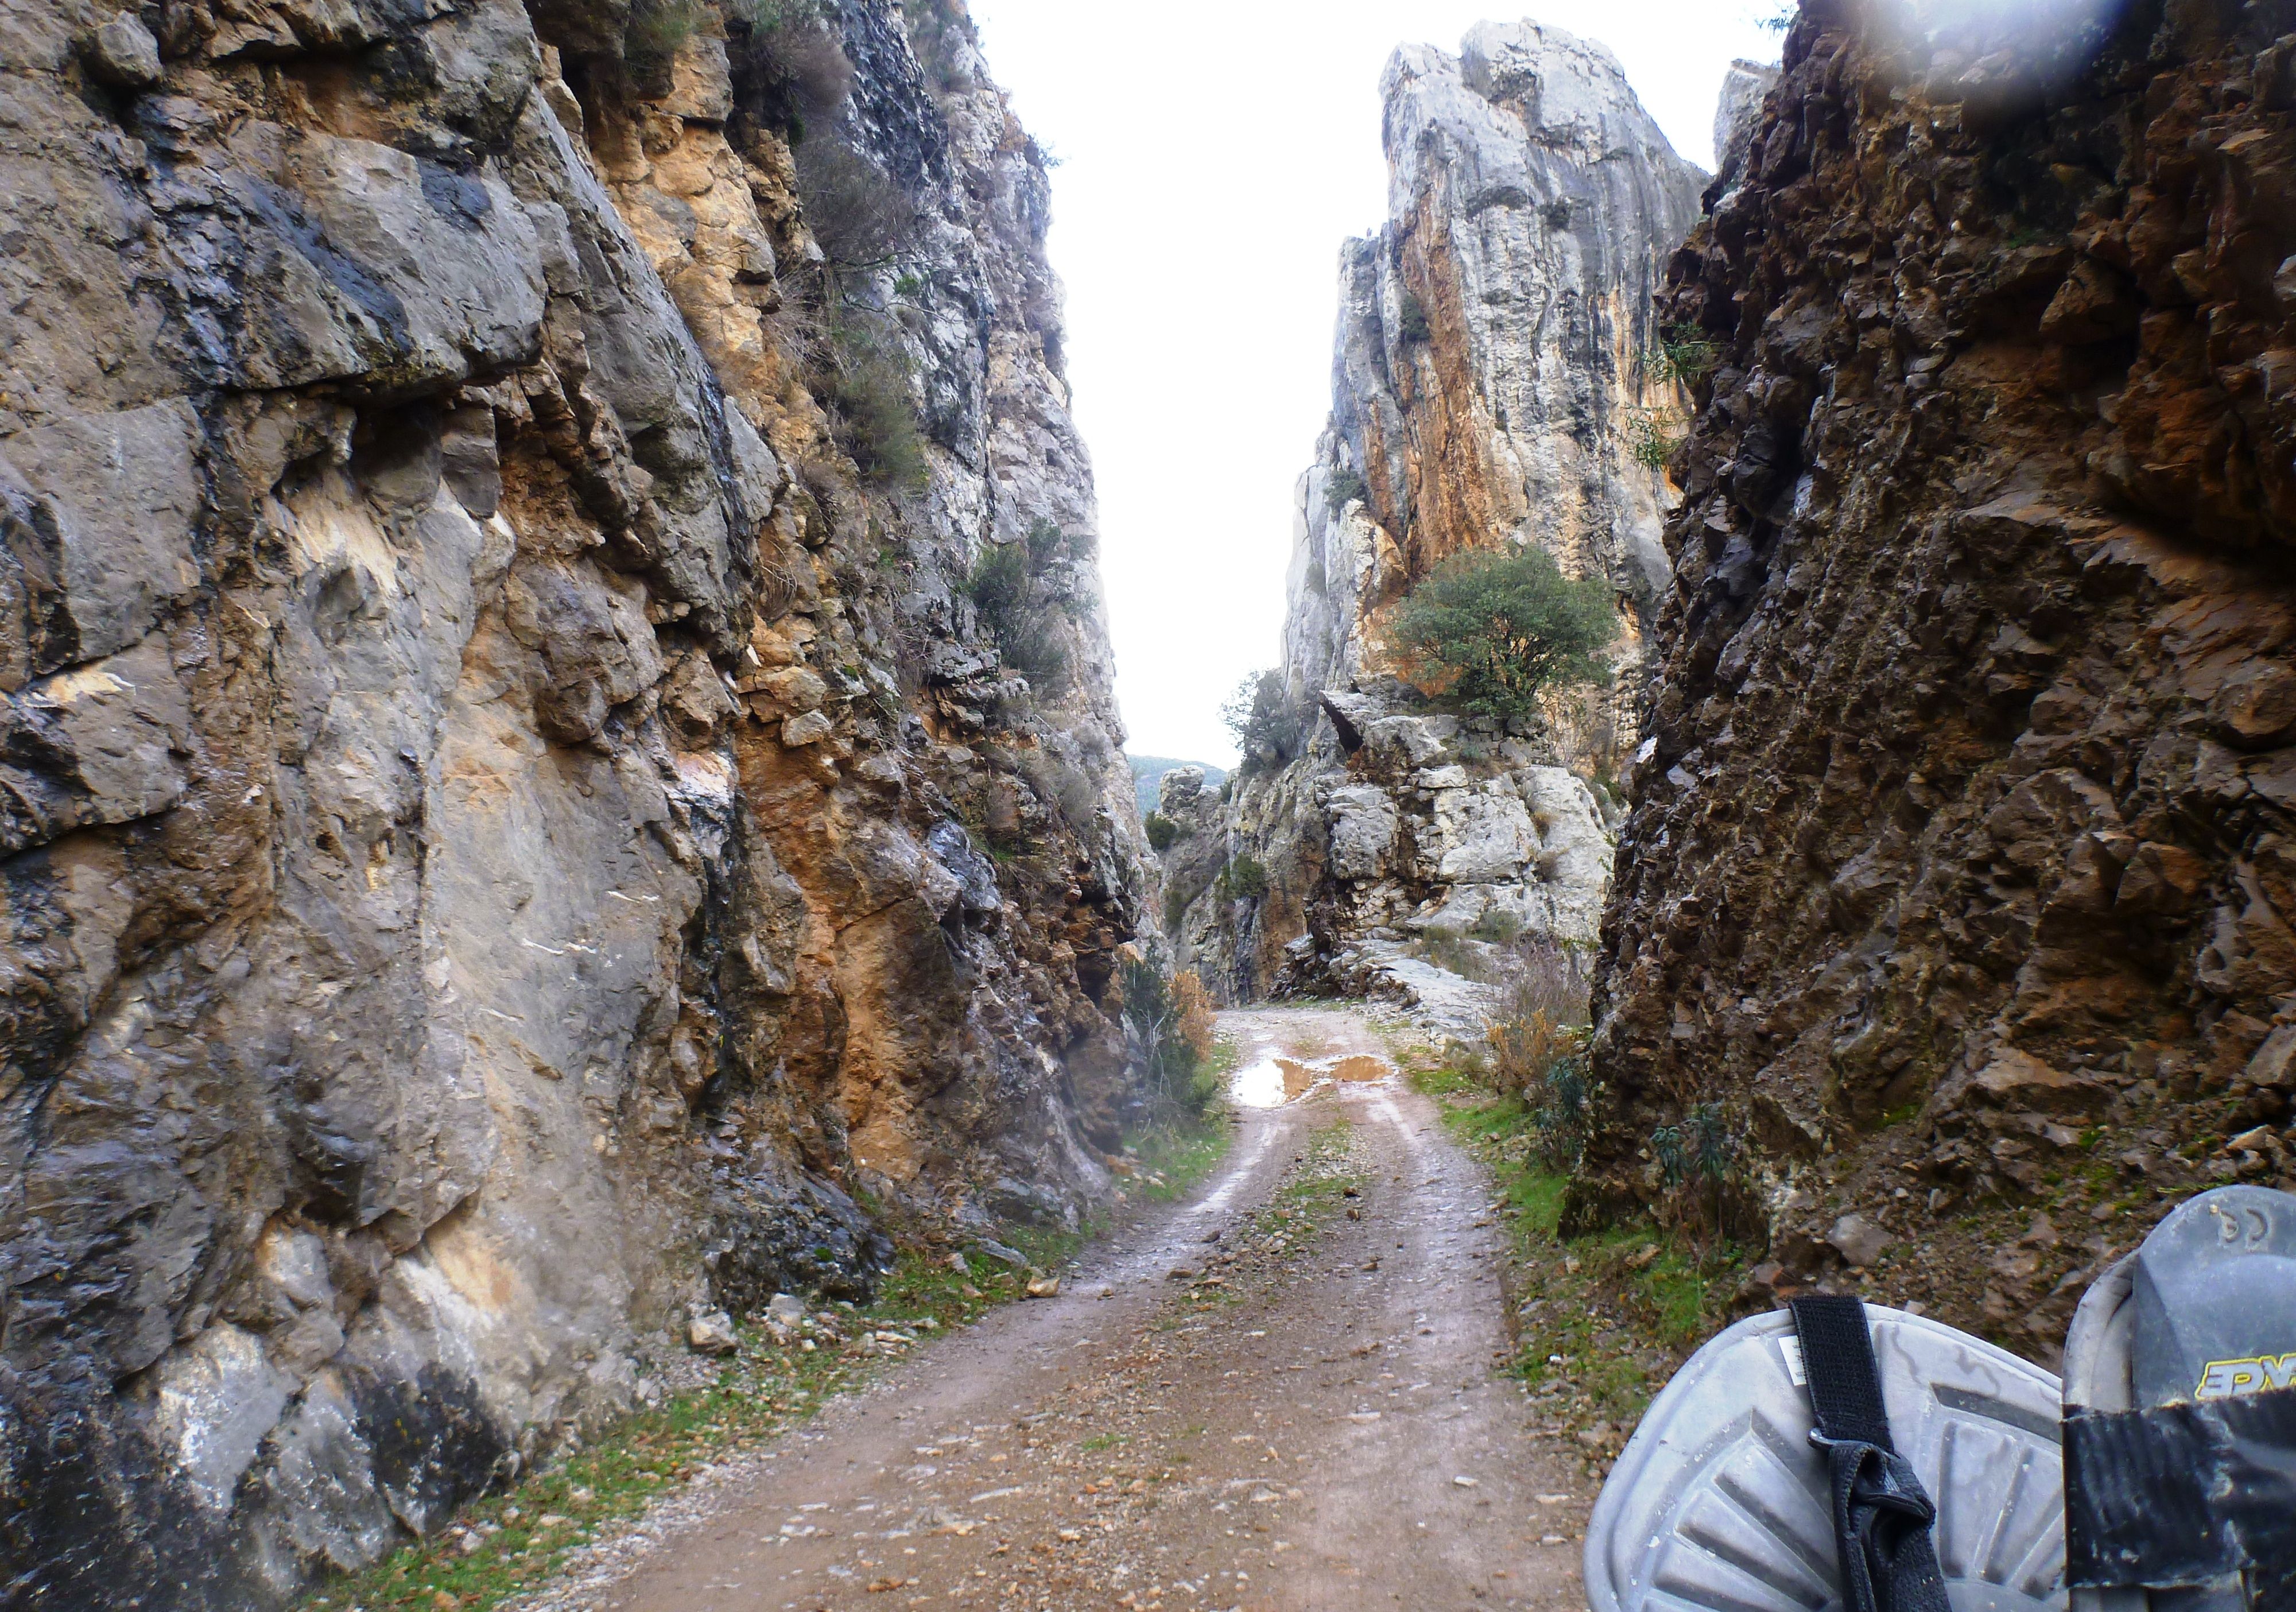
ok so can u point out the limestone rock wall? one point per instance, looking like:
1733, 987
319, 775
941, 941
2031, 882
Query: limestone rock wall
1958, 872
1491, 367
506, 830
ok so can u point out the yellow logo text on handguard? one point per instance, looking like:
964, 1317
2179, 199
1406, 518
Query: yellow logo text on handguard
2231, 1378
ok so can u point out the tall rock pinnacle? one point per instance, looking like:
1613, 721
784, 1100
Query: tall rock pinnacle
1489, 389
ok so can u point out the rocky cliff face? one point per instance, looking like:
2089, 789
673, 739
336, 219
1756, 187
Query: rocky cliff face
511, 821
1959, 870
1489, 382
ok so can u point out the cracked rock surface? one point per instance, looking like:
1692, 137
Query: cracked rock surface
510, 834
1960, 870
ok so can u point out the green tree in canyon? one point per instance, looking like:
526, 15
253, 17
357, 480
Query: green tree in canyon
1491, 629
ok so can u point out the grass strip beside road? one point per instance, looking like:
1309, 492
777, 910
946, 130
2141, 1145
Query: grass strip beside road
519, 1539
1600, 1321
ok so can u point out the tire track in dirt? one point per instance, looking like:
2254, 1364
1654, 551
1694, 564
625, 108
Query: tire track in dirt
1310, 1417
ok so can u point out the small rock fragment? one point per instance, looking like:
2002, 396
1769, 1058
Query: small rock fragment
1858, 1240
810, 729
711, 1332
123, 53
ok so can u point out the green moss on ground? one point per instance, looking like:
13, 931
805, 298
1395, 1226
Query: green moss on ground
1599, 1322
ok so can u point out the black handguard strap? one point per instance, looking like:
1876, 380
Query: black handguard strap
2194, 1495
1882, 1515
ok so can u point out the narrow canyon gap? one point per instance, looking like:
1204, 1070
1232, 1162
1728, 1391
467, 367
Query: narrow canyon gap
562, 775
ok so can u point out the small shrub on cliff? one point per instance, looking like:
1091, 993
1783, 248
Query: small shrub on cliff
1028, 639
1156, 1039
1036, 651
1411, 318
1266, 725
1647, 443
1497, 925
656, 31
861, 217
788, 64
1346, 486
1493, 631
1163, 832
1686, 355
865, 384
998, 587
1244, 879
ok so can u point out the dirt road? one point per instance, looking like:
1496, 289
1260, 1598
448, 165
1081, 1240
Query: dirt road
1279, 1395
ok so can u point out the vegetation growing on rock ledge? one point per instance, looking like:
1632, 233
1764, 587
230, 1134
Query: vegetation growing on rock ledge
1244, 879
1162, 832
1268, 725
1003, 590
1492, 631
1169, 1032
1686, 355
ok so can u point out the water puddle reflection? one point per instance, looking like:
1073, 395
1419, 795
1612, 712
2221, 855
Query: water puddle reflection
1275, 1081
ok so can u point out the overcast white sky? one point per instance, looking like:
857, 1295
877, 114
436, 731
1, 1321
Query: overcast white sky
1214, 154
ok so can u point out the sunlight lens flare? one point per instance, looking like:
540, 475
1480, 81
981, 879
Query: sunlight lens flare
1981, 51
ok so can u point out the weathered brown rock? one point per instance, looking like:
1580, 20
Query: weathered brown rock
1961, 835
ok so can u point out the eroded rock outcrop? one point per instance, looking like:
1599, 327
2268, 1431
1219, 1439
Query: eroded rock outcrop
1489, 378
507, 827
1959, 869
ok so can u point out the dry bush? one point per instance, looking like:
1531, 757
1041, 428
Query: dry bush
1539, 1043
1193, 1003
1522, 1051
791, 70
1542, 976
859, 215
818, 74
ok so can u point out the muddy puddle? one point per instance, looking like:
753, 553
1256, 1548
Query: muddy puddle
1273, 1081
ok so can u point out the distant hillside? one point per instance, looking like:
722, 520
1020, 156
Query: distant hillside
1148, 772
